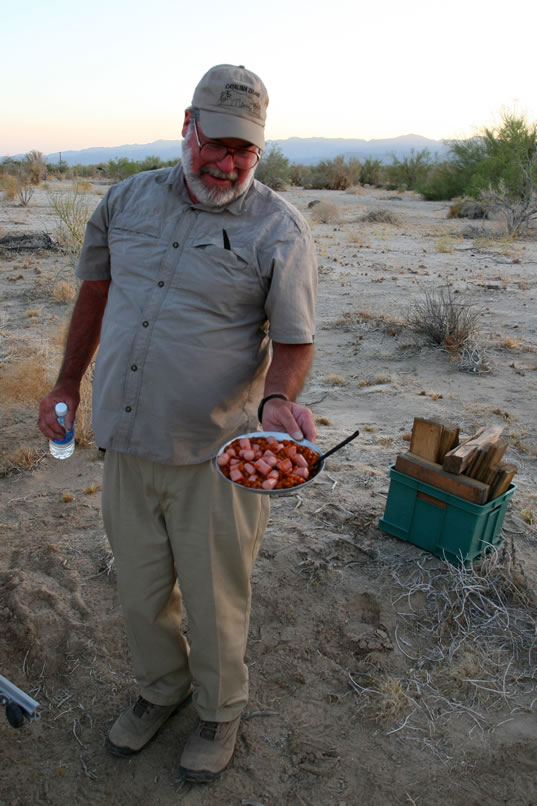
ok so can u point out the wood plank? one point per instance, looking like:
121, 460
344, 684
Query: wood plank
476, 460
458, 459
450, 440
504, 476
432, 473
495, 455
426, 438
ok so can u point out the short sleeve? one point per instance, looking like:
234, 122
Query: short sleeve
290, 302
94, 261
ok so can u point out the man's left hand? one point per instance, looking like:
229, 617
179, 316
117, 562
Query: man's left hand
293, 419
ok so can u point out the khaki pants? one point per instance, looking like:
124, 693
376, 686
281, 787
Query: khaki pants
184, 534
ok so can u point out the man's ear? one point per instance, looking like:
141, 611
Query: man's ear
186, 123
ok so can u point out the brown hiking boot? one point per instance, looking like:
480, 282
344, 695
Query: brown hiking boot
136, 726
208, 750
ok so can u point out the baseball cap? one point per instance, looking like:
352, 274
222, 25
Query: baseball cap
233, 103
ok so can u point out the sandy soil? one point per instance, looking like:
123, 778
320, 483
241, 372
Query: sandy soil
379, 674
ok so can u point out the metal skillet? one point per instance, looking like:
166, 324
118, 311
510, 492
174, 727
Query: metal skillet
318, 467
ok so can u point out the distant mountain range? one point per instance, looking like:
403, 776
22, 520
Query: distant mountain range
305, 150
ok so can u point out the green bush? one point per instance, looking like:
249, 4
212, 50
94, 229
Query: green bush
444, 181
500, 168
273, 168
409, 172
371, 172
336, 174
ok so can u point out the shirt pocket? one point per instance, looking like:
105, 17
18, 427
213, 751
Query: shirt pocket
136, 224
230, 272
135, 246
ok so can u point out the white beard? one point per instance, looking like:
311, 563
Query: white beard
215, 196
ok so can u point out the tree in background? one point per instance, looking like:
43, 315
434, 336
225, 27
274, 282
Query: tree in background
410, 172
34, 167
507, 177
273, 168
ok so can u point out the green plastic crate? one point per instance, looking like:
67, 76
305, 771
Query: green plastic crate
442, 523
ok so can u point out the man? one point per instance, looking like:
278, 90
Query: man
200, 284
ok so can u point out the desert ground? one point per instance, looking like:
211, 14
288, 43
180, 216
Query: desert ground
380, 674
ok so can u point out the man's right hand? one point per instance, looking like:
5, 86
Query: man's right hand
48, 422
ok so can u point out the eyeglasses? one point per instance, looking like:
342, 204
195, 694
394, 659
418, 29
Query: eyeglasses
214, 152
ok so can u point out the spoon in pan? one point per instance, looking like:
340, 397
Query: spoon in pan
323, 456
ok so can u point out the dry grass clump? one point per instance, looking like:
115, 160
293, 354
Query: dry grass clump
24, 381
445, 244
504, 244
469, 637
64, 291
10, 185
335, 380
473, 357
73, 210
326, 212
83, 430
467, 208
380, 216
442, 320
384, 699
23, 457
510, 343
378, 380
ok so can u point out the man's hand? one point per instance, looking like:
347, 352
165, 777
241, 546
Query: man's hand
82, 341
48, 422
284, 415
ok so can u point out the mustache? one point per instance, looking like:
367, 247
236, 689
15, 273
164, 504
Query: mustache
231, 175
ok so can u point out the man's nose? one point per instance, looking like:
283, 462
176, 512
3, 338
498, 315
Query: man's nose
227, 163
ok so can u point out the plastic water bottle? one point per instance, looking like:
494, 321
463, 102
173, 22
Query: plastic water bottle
62, 448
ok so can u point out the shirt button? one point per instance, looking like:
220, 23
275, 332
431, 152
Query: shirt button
145, 324
134, 367
175, 244
128, 408
161, 283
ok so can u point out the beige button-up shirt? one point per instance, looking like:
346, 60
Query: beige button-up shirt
196, 294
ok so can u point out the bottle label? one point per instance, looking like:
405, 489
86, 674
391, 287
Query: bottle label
67, 438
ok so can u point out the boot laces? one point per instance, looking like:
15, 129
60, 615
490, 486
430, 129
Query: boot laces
208, 730
141, 706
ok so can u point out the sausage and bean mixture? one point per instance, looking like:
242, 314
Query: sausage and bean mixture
264, 463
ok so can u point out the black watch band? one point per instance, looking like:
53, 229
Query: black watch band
262, 404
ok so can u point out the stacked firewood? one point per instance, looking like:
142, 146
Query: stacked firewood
472, 468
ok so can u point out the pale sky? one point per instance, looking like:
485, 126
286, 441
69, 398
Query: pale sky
113, 72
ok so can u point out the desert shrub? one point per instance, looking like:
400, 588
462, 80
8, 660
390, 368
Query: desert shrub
380, 216
444, 321
336, 174
273, 168
326, 212
409, 172
300, 175
73, 210
64, 291
26, 191
121, 168
442, 182
371, 172
34, 167
10, 185
82, 186
467, 208
25, 380
500, 168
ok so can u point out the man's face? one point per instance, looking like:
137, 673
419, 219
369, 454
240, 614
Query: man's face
213, 184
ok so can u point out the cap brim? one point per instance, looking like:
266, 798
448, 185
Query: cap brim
216, 125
